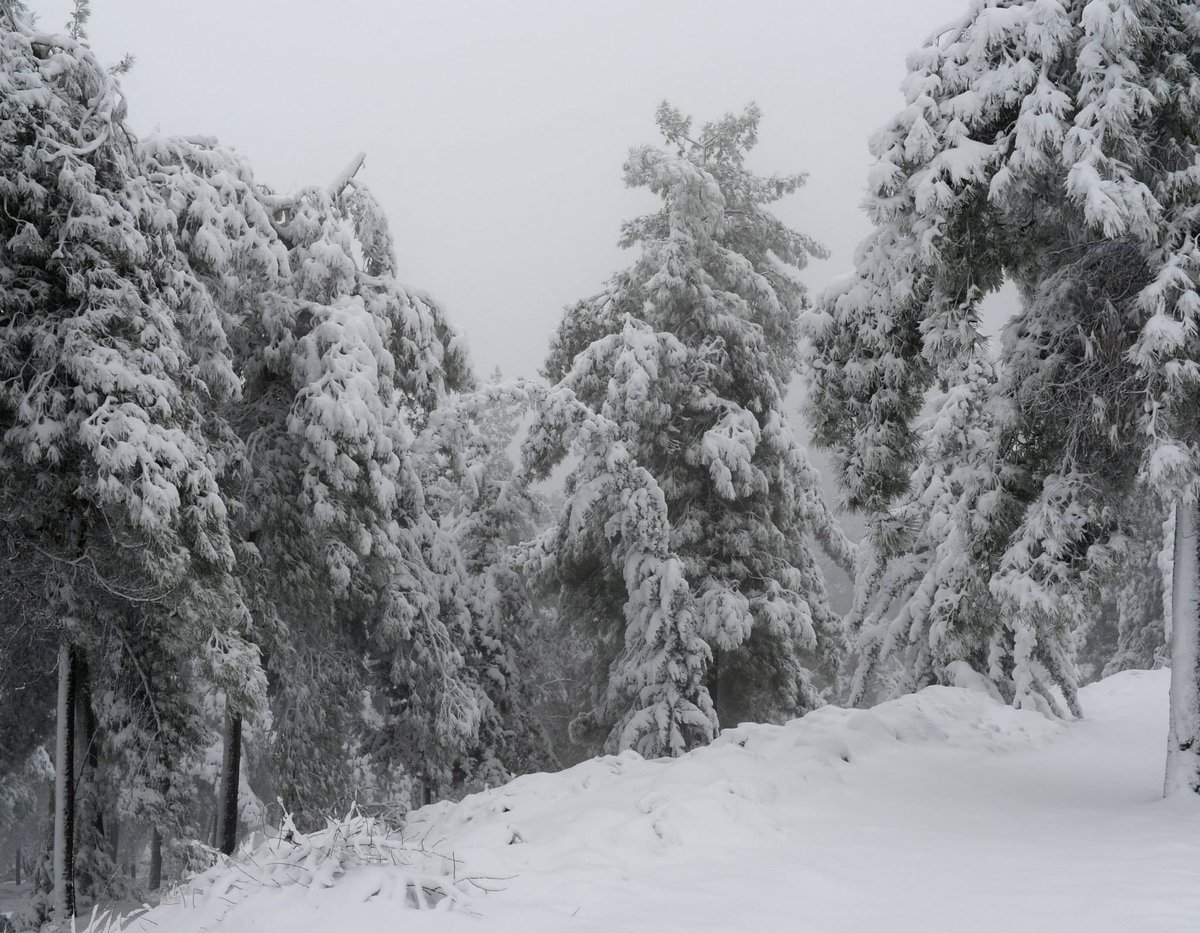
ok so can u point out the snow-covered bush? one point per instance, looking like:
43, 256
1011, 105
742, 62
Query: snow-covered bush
416, 876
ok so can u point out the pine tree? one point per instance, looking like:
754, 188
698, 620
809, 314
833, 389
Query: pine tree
469, 477
104, 442
690, 351
614, 513
347, 574
922, 599
1053, 145
1129, 631
368, 376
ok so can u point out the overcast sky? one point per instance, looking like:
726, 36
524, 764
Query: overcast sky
495, 131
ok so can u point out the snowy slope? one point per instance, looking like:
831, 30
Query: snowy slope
943, 811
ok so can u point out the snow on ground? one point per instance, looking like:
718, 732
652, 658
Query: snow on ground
13, 900
942, 811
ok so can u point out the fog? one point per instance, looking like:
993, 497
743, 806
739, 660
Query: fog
495, 131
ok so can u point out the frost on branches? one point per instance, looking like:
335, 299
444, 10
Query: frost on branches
103, 402
689, 352
1053, 145
472, 487
209, 400
923, 612
348, 573
112, 358
613, 522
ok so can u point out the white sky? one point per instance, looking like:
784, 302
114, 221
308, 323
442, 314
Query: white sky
495, 131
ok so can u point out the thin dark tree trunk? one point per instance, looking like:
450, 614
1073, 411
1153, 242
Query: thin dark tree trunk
17, 868
714, 679
89, 821
114, 839
227, 802
84, 721
51, 823
64, 788
155, 878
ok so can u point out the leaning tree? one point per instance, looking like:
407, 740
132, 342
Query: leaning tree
110, 485
1054, 145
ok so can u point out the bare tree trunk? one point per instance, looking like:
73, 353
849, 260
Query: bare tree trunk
50, 824
1183, 740
64, 788
17, 868
717, 694
155, 875
89, 816
231, 766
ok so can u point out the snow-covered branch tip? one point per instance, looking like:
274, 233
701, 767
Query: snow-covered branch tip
280, 204
347, 175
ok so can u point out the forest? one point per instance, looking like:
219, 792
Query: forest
276, 558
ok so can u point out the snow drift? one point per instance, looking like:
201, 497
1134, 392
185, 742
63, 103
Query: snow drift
944, 810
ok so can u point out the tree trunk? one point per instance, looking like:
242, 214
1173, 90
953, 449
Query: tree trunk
64, 788
716, 691
17, 868
84, 723
227, 801
155, 877
89, 816
114, 839
1183, 740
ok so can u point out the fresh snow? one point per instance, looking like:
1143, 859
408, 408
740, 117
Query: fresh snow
942, 810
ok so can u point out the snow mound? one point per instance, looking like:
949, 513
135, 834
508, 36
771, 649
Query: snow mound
729, 790
945, 810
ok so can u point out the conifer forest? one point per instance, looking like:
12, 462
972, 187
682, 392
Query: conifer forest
786, 517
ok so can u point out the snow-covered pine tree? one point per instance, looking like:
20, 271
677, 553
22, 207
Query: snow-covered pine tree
370, 365
923, 612
1053, 145
104, 442
690, 351
469, 473
613, 521
224, 231
343, 562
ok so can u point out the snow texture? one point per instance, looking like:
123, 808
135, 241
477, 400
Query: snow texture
943, 809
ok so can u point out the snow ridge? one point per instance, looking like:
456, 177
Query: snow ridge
728, 788
940, 810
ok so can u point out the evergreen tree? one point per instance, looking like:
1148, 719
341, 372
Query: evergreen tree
614, 520
346, 571
104, 441
689, 351
1128, 631
922, 601
1053, 145
469, 477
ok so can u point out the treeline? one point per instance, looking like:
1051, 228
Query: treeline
222, 554
263, 537
267, 537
